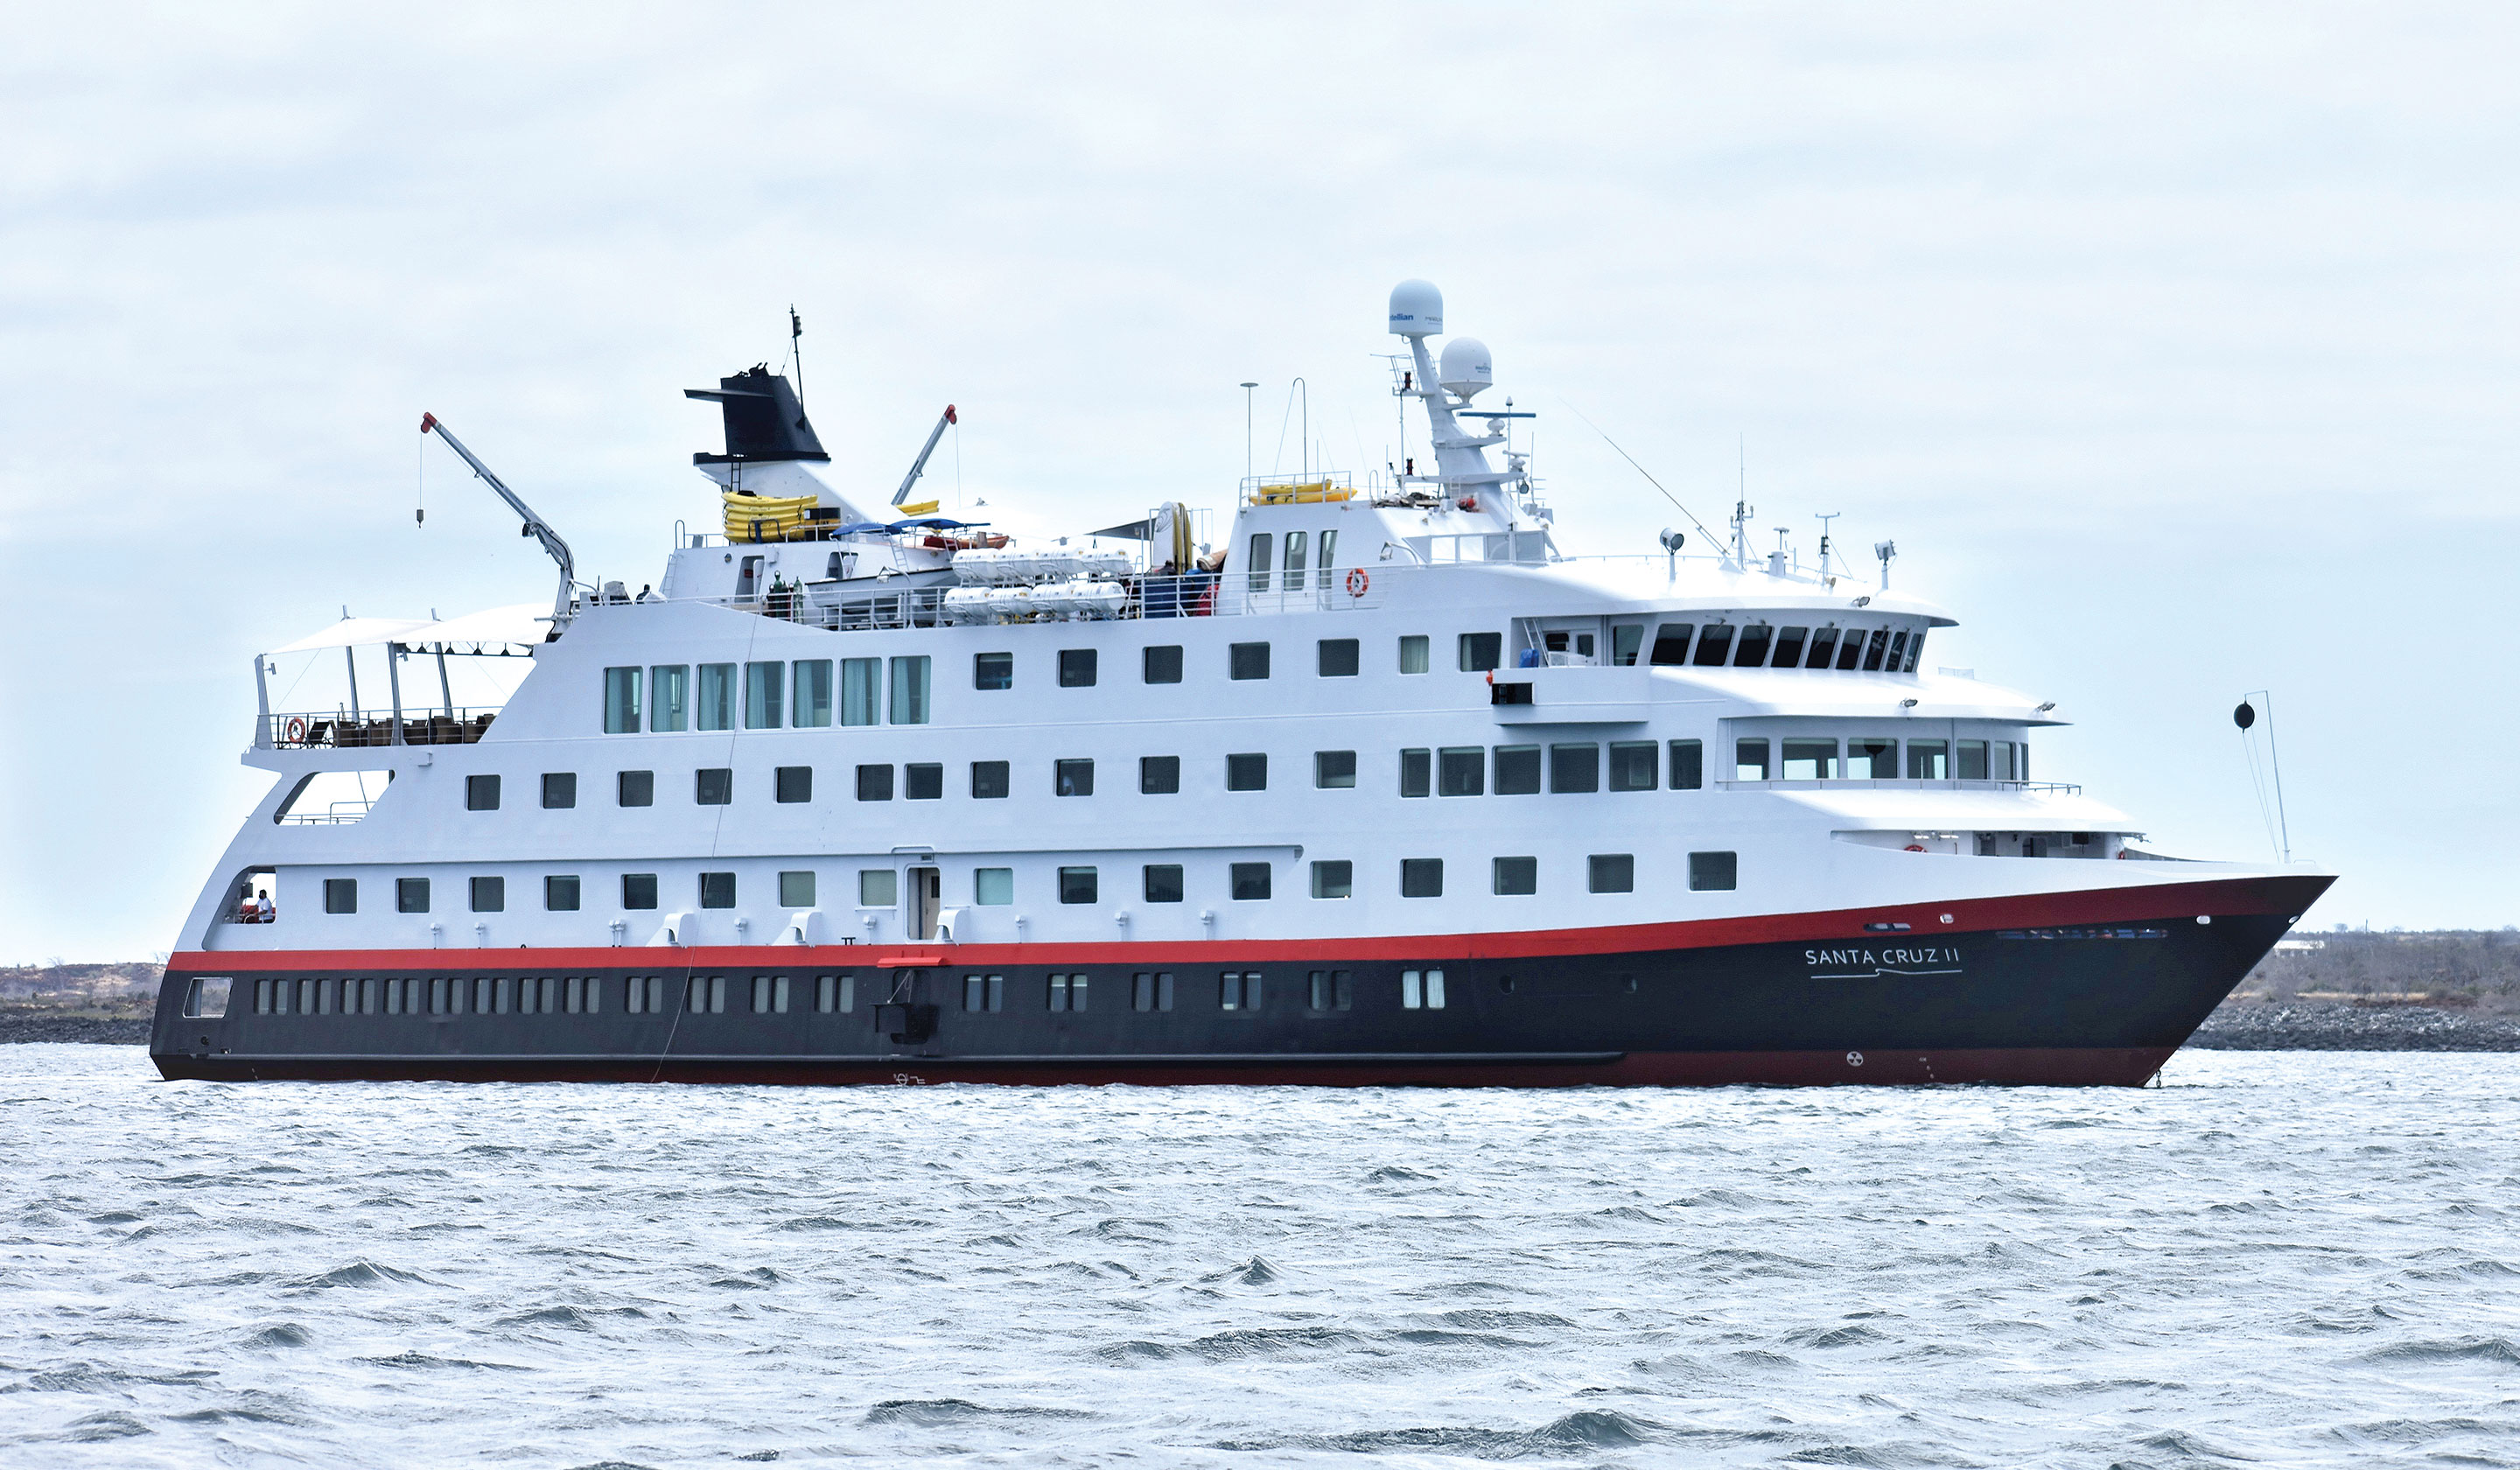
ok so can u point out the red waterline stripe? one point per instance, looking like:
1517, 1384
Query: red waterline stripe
2274, 894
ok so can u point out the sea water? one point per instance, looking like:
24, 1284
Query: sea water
2274, 1259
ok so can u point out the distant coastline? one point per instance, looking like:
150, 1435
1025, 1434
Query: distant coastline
2456, 989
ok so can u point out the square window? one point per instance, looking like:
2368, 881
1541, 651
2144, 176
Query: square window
875, 783
1687, 765
1515, 877
989, 780
1247, 660
411, 895
489, 894
797, 890
1334, 770
1072, 777
340, 895
813, 697
1163, 883
1159, 775
713, 786
1518, 770
1334, 880
1077, 668
717, 890
993, 671
480, 793
1412, 653
1421, 877
993, 886
1575, 768
1163, 664
1079, 885
796, 783
1339, 659
669, 710
559, 893
1481, 651
1250, 881
622, 701
1633, 766
1247, 772
636, 788
638, 890
923, 780
1613, 872
1464, 771
1713, 872
1416, 773
559, 789
877, 887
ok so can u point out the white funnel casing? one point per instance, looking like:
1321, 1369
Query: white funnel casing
1463, 368
1416, 309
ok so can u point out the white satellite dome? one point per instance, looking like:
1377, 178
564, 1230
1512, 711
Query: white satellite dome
1416, 309
1463, 368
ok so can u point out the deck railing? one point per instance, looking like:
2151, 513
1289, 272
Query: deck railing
318, 730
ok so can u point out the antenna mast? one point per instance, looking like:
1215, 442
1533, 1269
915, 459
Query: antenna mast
797, 350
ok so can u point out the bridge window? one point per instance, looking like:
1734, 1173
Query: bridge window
993, 671
1627, 640
669, 691
622, 701
1915, 651
1714, 645
1250, 881
1163, 882
1078, 668
716, 701
340, 895
1481, 651
1713, 872
1336, 657
1752, 651
1514, 877
1811, 760
813, 697
480, 793
411, 895
1898, 660
1687, 765
1928, 760
559, 789
1850, 650
1248, 771
1080, 885
1072, 777
1749, 760
1871, 758
635, 788
1412, 653
1518, 770
1421, 877
1789, 648
1972, 761
1612, 872
796, 889
1824, 647
1671, 644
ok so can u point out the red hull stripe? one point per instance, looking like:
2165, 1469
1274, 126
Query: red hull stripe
2237, 897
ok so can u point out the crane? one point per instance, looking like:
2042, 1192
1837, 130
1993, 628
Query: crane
535, 525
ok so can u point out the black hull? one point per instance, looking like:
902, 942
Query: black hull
2088, 996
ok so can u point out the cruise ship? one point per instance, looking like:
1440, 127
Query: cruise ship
1369, 784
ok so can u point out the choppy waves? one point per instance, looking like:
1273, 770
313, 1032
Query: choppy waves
2276, 1259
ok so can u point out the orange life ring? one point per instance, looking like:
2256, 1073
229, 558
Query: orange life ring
297, 733
1358, 581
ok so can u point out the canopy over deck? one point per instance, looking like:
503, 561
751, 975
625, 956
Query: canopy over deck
521, 625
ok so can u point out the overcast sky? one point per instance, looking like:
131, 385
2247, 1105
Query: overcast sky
2175, 344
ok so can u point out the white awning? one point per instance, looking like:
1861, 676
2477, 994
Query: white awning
358, 633
522, 625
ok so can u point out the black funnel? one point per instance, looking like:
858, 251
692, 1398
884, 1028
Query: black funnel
763, 419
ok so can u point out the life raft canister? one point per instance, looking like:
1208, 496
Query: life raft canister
1358, 581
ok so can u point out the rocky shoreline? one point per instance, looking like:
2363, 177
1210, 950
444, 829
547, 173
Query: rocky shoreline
2237, 1026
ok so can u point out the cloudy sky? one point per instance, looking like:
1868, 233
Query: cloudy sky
2174, 343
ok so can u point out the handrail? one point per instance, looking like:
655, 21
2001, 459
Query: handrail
340, 730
